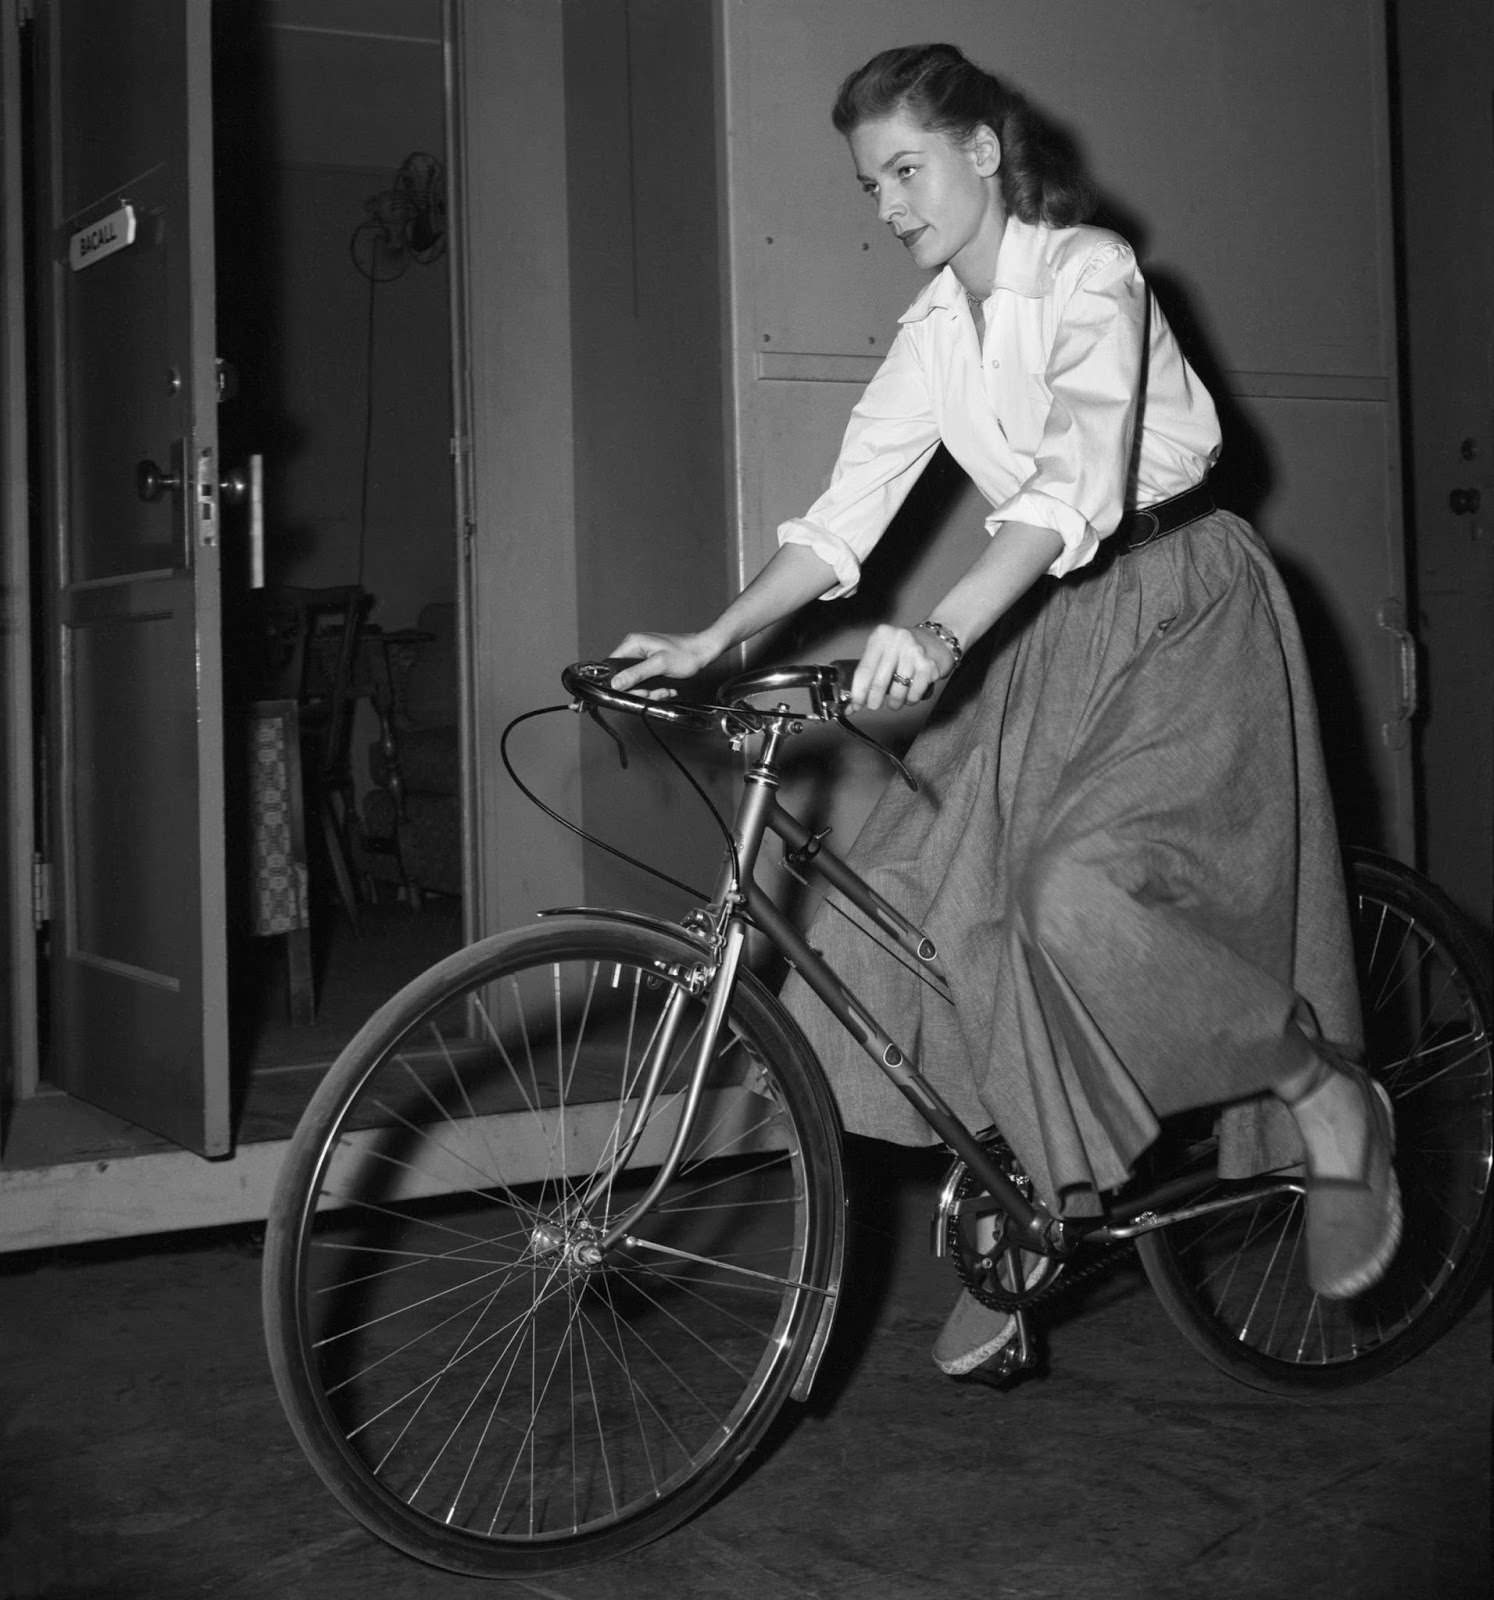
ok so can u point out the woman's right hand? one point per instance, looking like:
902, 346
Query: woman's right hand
662, 655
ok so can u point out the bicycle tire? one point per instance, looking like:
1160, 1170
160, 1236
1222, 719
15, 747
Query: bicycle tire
1234, 1284
495, 1397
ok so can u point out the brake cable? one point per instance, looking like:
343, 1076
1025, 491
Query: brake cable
585, 834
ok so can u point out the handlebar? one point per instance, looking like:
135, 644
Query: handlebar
590, 682
827, 686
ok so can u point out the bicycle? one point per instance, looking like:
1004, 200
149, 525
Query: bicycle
562, 1230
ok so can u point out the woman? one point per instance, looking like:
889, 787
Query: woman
1123, 845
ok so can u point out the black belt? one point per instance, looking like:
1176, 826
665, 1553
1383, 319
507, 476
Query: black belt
1140, 528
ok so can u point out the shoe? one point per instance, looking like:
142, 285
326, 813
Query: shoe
1353, 1224
971, 1335
974, 1333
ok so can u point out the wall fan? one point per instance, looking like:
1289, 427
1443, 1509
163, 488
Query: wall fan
405, 222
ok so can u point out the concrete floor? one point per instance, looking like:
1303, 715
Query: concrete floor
143, 1457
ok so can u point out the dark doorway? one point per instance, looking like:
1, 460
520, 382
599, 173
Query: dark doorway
334, 337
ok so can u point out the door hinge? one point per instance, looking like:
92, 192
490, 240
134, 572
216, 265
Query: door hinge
41, 893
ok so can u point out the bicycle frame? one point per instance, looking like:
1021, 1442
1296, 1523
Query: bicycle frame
740, 903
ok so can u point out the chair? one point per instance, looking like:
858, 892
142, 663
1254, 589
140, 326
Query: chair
280, 901
310, 641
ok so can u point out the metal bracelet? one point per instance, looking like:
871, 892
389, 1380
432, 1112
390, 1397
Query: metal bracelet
943, 634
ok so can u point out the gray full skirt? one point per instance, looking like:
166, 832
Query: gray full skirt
1124, 849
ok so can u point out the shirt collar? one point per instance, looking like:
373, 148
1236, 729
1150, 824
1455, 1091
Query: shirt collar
1023, 266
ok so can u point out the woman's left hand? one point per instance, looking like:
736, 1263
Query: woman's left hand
899, 667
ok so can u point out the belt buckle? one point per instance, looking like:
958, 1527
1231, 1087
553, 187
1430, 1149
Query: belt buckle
1154, 523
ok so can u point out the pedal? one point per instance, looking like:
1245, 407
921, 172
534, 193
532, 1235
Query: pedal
1024, 1345
1017, 1356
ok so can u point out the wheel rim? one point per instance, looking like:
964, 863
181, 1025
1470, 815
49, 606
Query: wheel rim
1427, 1040
481, 1366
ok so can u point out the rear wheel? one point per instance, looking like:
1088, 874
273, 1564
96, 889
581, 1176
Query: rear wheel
473, 1372
1235, 1284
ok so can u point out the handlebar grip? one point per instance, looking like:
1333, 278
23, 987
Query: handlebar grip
591, 681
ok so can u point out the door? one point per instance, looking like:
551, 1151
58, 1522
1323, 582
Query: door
1445, 56
129, 431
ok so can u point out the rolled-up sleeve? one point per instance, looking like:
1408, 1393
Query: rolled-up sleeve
1078, 483
890, 437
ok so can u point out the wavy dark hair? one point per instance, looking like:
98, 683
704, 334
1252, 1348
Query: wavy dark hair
1041, 176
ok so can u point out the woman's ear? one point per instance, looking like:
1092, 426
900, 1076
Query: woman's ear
985, 149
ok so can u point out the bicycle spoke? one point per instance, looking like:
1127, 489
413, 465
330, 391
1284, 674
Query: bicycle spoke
725, 1266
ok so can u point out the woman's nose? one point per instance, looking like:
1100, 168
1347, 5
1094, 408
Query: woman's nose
888, 207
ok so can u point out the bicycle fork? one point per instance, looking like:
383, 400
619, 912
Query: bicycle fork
652, 1079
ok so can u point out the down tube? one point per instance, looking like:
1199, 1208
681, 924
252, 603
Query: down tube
884, 1050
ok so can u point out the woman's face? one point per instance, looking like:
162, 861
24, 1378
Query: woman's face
940, 198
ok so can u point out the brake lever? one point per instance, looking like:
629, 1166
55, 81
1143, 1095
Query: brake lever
839, 716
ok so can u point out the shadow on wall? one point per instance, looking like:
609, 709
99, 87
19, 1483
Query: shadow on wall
1243, 481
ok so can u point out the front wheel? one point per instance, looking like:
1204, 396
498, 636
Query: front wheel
1235, 1284
475, 1371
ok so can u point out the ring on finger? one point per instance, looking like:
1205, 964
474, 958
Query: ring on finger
907, 683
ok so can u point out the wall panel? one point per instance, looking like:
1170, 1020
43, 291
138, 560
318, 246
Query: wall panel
1241, 145
591, 335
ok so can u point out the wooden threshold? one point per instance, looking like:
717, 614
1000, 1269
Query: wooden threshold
118, 1195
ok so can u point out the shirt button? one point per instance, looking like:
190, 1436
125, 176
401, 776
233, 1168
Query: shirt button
995, 362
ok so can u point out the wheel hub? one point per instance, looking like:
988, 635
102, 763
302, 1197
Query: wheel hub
574, 1241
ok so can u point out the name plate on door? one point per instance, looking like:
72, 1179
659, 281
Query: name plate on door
106, 237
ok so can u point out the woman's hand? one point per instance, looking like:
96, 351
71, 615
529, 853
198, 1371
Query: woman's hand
662, 655
899, 667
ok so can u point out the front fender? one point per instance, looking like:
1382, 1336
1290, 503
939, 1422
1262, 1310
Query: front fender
632, 919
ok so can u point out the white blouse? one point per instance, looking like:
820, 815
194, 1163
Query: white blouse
1042, 414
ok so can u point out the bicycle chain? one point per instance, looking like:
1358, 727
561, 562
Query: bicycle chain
977, 1273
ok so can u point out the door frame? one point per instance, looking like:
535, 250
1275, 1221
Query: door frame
19, 973
72, 1172
1444, 59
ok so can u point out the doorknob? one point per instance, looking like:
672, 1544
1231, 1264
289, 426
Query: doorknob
248, 488
151, 481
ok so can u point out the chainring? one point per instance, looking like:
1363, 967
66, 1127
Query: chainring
980, 1270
